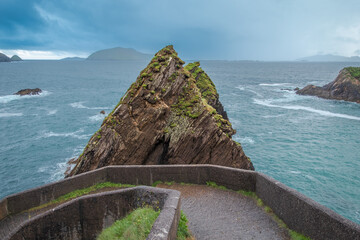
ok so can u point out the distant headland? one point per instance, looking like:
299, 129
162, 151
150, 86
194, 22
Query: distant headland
119, 53
329, 58
345, 87
4, 58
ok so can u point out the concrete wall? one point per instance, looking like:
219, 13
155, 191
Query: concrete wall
85, 217
296, 210
302, 214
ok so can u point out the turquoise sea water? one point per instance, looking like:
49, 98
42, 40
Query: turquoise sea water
309, 144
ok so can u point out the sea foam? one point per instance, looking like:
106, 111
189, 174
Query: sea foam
9, 98
2, 114
75, 134
273, 84
81, 105
268, 103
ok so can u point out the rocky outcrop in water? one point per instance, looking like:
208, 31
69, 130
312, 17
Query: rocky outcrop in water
346, 87
170, 115
28, 91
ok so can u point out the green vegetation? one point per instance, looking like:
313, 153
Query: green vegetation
203, 81
172, 125
183, 231
136, 225
294, 235
81, 192
354, 71
152, 92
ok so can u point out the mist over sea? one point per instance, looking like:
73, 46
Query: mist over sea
307, 143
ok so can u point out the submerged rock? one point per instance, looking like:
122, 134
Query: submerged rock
346, 87
28, 91
102, 112
169, 115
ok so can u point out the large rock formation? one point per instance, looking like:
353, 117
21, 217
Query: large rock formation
170, 115
346, 87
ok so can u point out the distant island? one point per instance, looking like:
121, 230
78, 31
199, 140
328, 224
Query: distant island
4, 58
345, 87
72, 59
119, 53
329, 58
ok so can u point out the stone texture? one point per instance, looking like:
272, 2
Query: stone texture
344, 87
170, 115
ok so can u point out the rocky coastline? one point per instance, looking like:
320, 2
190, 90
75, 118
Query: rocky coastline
345, 87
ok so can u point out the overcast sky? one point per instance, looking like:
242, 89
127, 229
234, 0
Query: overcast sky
198, 29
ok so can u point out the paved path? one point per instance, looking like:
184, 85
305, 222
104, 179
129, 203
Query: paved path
221, 214
212, 214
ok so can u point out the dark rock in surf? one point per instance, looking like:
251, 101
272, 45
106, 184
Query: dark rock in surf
28, 91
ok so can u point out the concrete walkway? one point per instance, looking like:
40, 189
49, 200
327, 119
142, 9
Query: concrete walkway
212, 214
221, 214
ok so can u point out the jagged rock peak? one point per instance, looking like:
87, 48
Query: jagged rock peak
345, 87
169, 115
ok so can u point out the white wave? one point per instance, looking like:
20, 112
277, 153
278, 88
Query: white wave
273, 84
82, 106
9, 98
52, 112
75, 134
240, 88
97, 118
246, 140
295, 172
57, 171
273, 116
268, 103
2, 114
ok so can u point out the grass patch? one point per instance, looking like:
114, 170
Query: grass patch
354, 71
136, 225
183, 232
81, 192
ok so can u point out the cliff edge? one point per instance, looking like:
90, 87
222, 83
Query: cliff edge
346, 87
170, 115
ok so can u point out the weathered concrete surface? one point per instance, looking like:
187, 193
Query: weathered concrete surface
220, 214
85, 217
292, 207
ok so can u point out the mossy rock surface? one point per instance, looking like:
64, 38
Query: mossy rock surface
170, 115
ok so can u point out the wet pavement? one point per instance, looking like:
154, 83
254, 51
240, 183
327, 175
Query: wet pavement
222, 214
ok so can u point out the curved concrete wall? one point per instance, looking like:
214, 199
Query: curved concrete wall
85, 217
296, 210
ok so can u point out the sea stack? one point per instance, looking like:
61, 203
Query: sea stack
170, 115
345, 87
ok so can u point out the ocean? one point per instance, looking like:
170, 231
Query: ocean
307, 143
